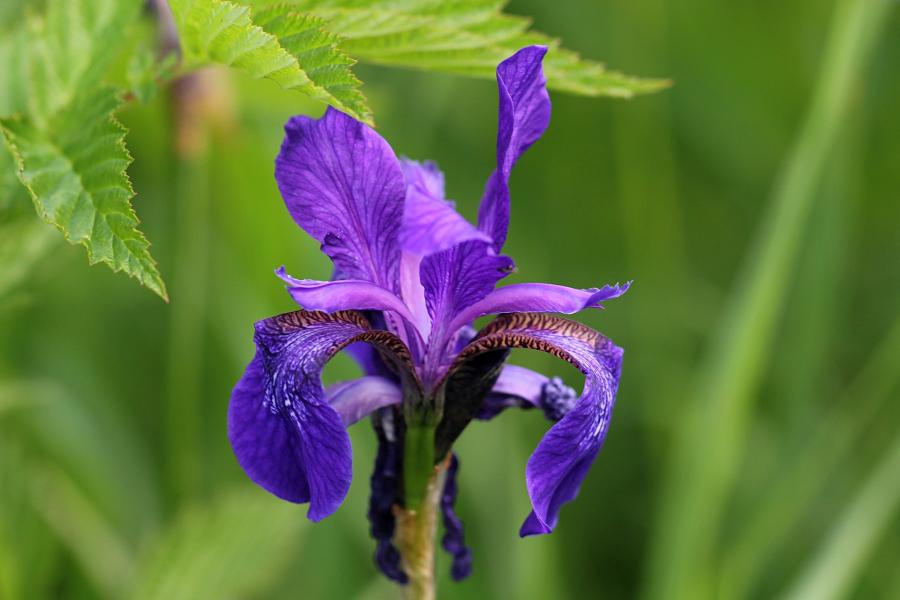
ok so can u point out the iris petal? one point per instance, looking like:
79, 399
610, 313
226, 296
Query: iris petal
431, 223
343, 294
564, 455
538, 297
454, 280
460, 276
523, 117
264, 447
357, 398
342, 184
516, 387
284, 432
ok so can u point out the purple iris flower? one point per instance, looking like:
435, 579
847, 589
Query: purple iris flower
410, 277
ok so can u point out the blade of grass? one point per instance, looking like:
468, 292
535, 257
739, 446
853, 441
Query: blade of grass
833, 570
817, 301
704, 459
832, 442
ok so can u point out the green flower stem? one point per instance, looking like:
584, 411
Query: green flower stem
418, 463
415, 536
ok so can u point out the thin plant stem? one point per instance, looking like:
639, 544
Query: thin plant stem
184, 386
415, 537
705, 456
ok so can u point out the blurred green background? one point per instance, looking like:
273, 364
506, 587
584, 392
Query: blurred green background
755, 446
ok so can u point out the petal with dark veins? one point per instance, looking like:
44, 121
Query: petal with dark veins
284, 432
562, 458
343, 185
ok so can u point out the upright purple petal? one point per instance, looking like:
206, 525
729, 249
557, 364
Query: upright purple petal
424, 176
561, 461
356, 398
523, 117
454, 540
284, 432
343, 185
458, 278
413, 293
538, 297
431, 223
454, 280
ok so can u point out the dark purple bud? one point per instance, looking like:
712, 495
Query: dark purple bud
557, 399
386, 492
454, 538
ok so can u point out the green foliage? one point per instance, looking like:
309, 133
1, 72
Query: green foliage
74, 168
225, 550
707, 456
668, 191
23, 242
832, 570
462, 36
279, 43
79, 523
57, 104
69, 149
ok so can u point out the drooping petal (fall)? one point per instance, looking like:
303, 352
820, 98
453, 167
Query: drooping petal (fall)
262, 442
564, 455
284, 432
524, 115
343, 185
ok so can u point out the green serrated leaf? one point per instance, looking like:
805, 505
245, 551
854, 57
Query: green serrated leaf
468, 37
59, 127
72, 48
277, 43
74, 169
